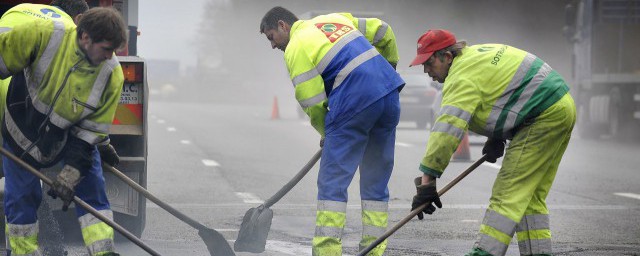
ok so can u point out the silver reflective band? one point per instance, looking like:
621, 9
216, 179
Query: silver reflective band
101, 82
449, 129
455, 111
306, 76
4, 29
23, 142
499, 222
382, 30
310, 102
334, 232
491, 245
533, 222
535, 247
94, 127
328, 57
375, 206
105, 245
22, 230
526, 95
88, 219
353, 64
88, 136
362, 26
373, 231
4, 71
333, 206
49, 51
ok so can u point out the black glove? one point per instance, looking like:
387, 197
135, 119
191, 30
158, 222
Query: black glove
109, 155
322, 142
494, 149
63, 185
425, 194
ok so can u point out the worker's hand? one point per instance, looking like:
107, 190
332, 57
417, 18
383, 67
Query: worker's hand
494, 149
322, 142
109, 155
425, 194
63, 185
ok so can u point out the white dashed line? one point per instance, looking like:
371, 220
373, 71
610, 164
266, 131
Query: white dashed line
495, 166
401, 144
171, 129
249, 198
630, 195
208, 162
186, 142
161, 121
470, 221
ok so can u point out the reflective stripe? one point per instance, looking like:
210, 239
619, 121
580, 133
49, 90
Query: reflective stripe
511, 88
334, 232
449, 129
4, 29
100, 83
85, 135
104, 246
49, 52
23, 239
322, 65
306, 76
534, 222
353, 64
499, 222
491, 245
310, 102
4, 71
93, 126
23, 230
35, 253
535, 247
334, 206
362, 26
373, 231
377, 206
382, 30
528, 92
455, 111
23, 142
88, 219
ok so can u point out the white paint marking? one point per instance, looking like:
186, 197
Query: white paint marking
470, 221
402, 144
171, 129
227, 229
249, 198
495, 166
208, 162
161, 121
287, 248
630, 195
186, 142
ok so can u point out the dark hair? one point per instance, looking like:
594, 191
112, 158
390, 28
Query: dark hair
455, 49
271, 18
71, 7
103, 24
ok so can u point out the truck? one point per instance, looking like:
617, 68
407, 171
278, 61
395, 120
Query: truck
128, 134
604, 35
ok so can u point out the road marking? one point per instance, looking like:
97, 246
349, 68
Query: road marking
471, 221
492, 165
208, 162
401, 144
630, 195
227, 229
171, 129
249, 198
161, 121
186, 142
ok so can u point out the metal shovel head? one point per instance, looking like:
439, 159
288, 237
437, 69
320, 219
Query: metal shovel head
216, 243
254, 230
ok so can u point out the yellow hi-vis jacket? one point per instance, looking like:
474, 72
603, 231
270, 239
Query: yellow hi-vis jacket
69, 102
335, 69
491, 89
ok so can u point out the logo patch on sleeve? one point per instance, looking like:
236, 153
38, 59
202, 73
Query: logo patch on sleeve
333, 31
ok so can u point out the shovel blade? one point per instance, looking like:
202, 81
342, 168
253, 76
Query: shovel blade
254, 230
216, 243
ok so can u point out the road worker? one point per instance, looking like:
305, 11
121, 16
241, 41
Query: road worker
71, 82
342, 68
503, 93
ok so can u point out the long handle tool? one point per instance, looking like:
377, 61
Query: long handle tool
81, 203
419, 209
216, 243
256, 222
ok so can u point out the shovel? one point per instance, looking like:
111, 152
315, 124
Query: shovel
419, 209
81, 203
216, 243
256, 223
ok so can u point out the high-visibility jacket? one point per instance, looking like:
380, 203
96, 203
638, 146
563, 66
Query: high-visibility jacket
334, 67
69, 104
491, 89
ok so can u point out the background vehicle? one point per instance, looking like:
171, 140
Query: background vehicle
128, 134
418, 98
606, 66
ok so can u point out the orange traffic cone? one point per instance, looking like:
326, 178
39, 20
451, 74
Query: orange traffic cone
275, 112
462, 154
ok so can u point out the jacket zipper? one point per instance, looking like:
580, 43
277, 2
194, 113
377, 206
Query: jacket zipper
77, 102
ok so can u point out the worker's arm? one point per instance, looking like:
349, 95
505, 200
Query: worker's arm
380, 35
459, 102
18, 45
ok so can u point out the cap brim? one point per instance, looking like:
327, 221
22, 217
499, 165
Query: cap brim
421, 58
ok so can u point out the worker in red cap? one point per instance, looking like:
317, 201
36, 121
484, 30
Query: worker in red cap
503, 93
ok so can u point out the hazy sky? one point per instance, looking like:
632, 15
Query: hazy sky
168, 28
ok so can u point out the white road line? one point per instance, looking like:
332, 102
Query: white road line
249, 198
471, 221
401, 144
227, 229
495, 166
171, 129
630, 195
186, 142
208, 162
161, 121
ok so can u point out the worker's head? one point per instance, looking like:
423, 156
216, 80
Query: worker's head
75, 8
276, 25
436, 51
101, 31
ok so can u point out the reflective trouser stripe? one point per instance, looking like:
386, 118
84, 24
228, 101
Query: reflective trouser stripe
97, 235
374, 223
534, 235
23, 238
496, 232
330, 220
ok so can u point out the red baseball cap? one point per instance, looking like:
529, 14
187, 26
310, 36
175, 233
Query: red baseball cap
431, 41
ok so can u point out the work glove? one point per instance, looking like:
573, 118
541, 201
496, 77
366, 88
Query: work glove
426, 193
63, 185
494, 149
109, 155
322, 142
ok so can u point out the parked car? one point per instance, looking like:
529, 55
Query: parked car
419, 99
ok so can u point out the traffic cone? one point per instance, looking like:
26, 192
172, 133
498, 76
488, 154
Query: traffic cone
462, 154
275, 112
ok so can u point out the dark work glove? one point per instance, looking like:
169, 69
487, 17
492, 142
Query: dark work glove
425, 194
109, 155
494, 149
322, 142
63, 185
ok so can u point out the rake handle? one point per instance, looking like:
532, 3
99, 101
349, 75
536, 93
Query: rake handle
419, 209
292, 183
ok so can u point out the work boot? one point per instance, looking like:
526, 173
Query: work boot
478, 252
